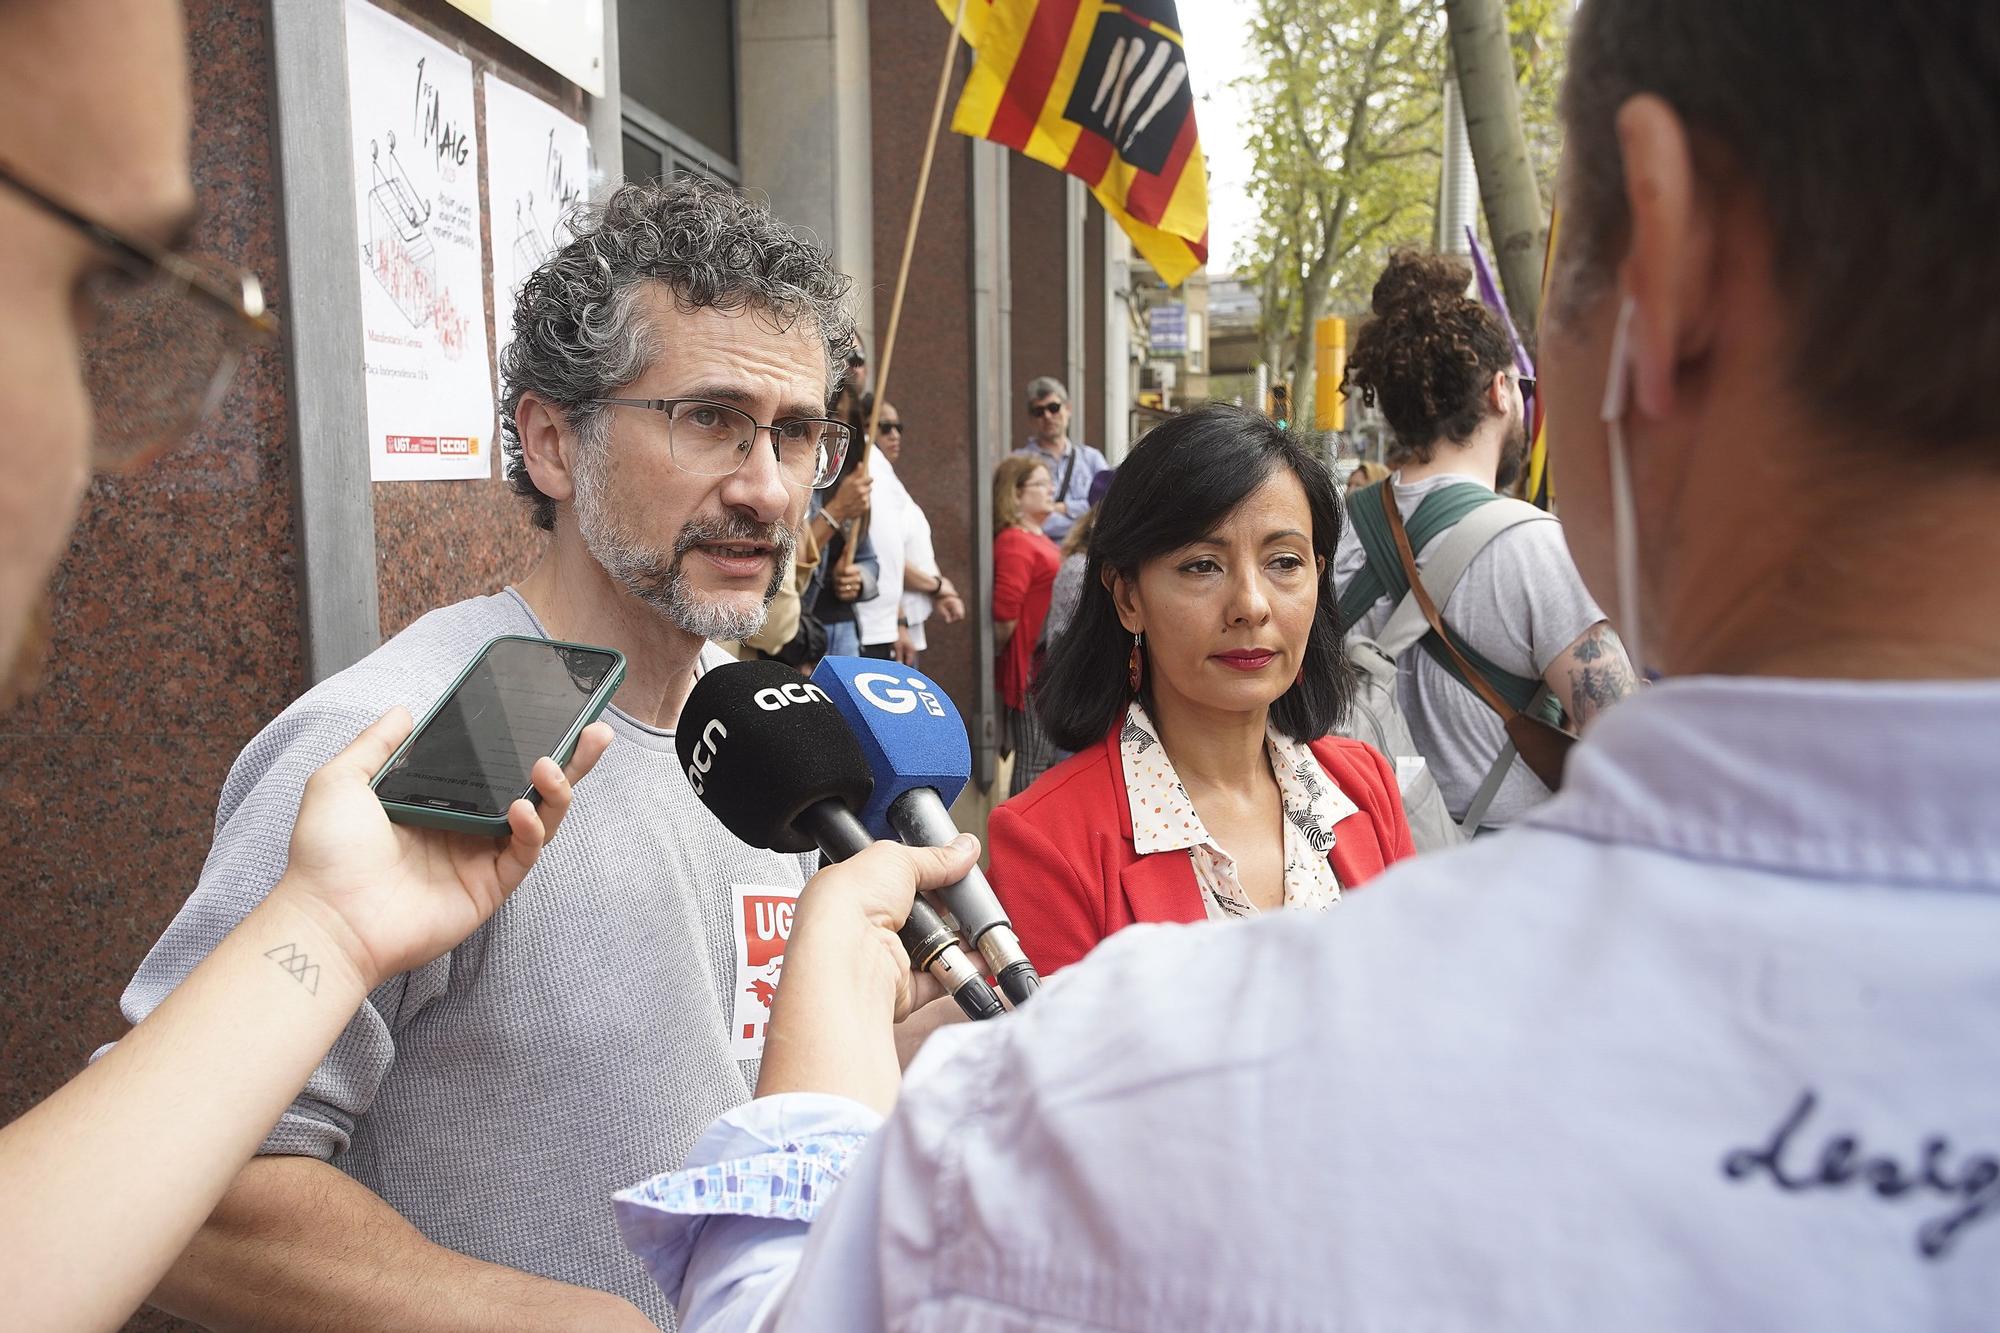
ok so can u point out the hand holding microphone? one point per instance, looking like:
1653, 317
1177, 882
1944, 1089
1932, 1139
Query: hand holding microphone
917, 751
771, 758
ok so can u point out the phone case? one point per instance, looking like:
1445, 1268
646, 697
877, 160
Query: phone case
459, 821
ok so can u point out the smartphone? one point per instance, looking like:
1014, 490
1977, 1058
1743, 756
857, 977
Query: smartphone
472, 755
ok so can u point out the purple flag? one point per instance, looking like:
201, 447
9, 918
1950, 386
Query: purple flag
1489, 296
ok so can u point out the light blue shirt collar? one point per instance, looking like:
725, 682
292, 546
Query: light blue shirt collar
1894, 781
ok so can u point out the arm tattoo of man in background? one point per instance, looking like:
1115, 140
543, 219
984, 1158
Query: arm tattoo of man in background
1599, 674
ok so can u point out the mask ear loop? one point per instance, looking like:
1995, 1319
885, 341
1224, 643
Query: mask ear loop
1624, 511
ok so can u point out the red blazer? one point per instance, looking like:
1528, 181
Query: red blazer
1063, 864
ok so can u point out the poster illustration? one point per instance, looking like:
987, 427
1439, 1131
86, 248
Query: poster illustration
423, 297
763, 920
537, 169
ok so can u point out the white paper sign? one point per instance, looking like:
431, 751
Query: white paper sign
763, 927
537, 165
423, 296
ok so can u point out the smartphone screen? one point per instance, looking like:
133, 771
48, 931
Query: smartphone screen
518, 702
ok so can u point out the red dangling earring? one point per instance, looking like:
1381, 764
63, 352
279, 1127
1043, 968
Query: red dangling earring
1135, 665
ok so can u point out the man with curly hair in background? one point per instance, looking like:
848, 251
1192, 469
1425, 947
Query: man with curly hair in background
448, 1165
1440, 367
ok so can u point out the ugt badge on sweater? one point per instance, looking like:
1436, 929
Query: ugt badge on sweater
763, 925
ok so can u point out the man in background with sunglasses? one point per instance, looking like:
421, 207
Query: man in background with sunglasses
112, 344
1072, 466
663, 410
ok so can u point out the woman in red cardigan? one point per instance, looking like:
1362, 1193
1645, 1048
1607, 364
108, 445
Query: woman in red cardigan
1198, 683
1024, 574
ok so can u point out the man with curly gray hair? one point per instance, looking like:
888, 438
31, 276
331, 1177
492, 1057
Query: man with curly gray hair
449, 1165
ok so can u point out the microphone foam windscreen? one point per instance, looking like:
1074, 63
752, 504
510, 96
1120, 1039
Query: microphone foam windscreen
760, 744
909, 731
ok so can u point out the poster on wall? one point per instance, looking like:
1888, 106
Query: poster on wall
537, 165
423, 295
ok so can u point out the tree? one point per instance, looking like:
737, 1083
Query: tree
1481, 45
1345, 114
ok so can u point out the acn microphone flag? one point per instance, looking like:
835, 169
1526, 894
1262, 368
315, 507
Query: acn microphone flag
1100, 91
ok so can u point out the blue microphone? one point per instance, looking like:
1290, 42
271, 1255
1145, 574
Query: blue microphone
916, 747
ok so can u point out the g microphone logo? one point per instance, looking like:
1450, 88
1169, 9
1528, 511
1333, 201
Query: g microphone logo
898, 697
774, 697
703, 757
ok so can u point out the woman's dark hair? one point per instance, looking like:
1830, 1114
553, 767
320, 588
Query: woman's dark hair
1429, 353
1179, 484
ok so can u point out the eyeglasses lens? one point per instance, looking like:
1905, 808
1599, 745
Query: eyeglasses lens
158, 358
712, 440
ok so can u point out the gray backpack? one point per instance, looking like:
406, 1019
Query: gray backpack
1375, 716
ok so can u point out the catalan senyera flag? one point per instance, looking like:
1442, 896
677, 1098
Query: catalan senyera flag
1099, 90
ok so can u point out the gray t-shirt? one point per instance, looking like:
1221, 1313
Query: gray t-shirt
1520, 603
580, 1040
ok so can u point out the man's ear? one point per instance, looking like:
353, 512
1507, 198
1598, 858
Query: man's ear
1497, 394
1125, 600
548, 447
1669, 271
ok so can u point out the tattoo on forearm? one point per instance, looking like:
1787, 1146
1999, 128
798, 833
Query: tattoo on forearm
303, 969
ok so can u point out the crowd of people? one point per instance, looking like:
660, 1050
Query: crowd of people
1690, 1032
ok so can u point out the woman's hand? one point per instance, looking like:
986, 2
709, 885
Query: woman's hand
849, 500
847, 583
394, 897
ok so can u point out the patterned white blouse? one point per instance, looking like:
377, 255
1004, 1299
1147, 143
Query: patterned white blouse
1164, 819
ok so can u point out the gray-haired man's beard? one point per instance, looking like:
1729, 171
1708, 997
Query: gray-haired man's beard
661, 582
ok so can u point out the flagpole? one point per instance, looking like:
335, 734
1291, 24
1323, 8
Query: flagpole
856, 527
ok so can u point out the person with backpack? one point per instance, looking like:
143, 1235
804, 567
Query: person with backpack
1501, 655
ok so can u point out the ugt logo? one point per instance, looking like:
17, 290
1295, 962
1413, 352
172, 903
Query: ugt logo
894, 696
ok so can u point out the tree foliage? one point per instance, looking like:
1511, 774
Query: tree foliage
1346, 117
1345, 111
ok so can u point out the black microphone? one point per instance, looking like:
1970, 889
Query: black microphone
770, 757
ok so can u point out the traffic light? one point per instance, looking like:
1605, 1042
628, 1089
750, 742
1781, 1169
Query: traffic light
1281, 404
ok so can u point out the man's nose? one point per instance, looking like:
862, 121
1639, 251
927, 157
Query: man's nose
759, 486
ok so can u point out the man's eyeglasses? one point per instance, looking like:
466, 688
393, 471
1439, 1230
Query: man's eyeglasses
1045, 409
1527, 383
713, 439
888, 428
166, 332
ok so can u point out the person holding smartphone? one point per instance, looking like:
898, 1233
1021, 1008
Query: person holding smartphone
103, 1184
664, 422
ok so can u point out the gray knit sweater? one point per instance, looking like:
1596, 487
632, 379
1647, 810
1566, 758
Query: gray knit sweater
579, 1041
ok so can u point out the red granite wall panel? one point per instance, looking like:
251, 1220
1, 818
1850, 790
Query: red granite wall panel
931, 379
176, 638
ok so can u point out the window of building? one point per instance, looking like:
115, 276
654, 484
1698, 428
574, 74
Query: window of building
677, 73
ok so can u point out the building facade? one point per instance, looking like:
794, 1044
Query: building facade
201, 596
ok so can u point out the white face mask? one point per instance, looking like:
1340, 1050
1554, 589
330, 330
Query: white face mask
1624, 512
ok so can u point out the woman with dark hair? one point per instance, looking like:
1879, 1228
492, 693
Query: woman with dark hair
1198, 683
1024, 573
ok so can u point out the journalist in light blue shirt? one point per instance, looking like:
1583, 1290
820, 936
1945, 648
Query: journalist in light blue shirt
1072, 466
1704, 1042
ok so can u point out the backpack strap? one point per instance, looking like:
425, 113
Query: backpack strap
1449, 507
1448, 563
1382, 576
